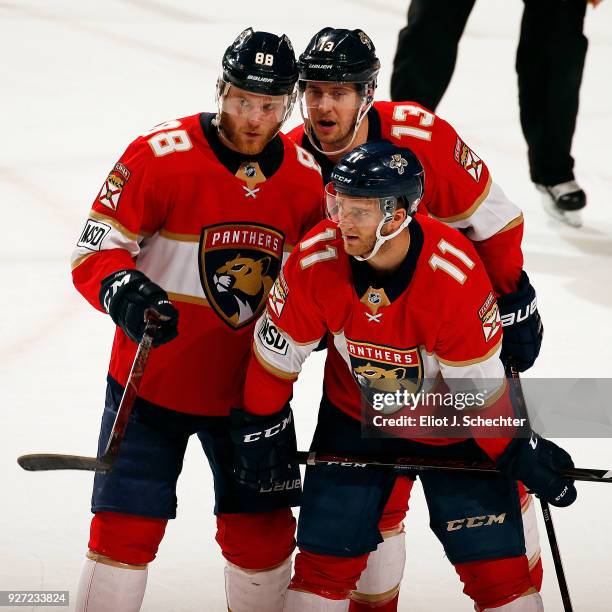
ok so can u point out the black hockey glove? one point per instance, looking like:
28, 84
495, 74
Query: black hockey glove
264, 448
126, 294
522, 325
536, 462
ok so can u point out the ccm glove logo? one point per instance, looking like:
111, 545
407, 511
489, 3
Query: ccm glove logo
115, 285
520, 315
562, 494
270, 432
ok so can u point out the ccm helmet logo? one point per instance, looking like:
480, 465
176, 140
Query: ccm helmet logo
270, 432
341, 179
517, 317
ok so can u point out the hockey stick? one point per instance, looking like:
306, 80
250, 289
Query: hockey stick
43, 461
519, 402
419, 464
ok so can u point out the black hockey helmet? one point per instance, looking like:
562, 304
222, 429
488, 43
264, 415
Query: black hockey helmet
379, 169
261, 63
339, 55
376, 170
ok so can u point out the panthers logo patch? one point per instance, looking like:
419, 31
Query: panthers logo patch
385, 369
238, 265
113, 186
466, 158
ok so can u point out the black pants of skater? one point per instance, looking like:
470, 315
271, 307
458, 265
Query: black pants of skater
549, 63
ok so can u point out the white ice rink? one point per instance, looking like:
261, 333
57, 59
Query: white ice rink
78, 81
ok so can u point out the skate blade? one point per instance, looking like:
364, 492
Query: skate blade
573, 218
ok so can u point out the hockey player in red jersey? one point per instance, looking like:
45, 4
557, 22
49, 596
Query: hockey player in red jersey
390, 287
194, 221
338, 72
337, 83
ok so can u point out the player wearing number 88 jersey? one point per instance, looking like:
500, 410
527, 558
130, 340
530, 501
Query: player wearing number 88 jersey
195, 220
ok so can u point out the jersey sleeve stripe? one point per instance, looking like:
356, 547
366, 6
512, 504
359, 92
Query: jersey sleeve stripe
76, 262
470, 211
493, 214
515, 223
273, 369
469, 362
188, 299
96, 216
180, 237
101, 234
492, 397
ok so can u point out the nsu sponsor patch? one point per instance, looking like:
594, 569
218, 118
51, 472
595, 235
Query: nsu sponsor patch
93, 234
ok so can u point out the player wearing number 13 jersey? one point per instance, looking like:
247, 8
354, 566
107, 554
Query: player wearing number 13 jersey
338, 71
336, 86
194, 221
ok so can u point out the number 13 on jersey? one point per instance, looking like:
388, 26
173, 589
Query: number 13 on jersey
402, 112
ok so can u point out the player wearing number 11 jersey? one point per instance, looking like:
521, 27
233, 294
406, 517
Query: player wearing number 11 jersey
337, 83
194, 221
408, 304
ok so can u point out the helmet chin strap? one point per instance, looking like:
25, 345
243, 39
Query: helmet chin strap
380, 239
365, 106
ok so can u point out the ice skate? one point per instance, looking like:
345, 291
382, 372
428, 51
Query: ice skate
564, 202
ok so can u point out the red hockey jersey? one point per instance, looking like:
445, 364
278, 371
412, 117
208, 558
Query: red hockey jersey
458, 187
213, 233
436, 317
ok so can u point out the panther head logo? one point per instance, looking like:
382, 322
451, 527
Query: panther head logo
238, 263
248, 281
383, 380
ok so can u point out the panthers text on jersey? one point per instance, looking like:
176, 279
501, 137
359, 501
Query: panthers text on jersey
209, 226
458, 187
435, 318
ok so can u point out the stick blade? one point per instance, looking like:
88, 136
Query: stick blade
44, 462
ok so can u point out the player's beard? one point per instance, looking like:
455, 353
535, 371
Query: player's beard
341, 136
243, 143
360, 247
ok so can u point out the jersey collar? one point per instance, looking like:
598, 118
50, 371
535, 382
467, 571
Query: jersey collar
365, 278
269, 160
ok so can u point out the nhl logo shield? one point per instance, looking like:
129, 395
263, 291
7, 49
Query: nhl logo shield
238, 265
380, 369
